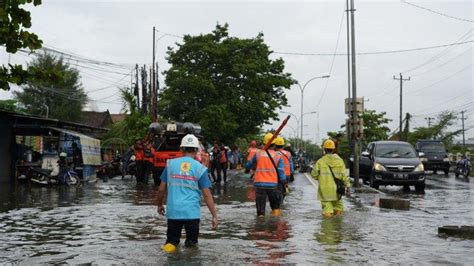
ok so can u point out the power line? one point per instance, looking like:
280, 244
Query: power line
437, 12
378, 52
441, 80
332, 62
442, 53
445, 63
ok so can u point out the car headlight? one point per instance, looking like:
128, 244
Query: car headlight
419, 168
446, 160
379, 167
423, 159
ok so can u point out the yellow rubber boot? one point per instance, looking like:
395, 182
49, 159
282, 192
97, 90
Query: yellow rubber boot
276, 212
169, 248
328, 215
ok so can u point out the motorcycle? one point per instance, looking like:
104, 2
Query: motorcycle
65, 176
110, 169
463, 167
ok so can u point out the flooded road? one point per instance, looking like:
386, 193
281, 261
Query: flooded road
117, 222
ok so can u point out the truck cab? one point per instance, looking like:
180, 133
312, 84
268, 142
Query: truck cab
433, 155
167, 139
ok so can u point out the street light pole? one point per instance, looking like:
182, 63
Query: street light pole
302, 94
297, 125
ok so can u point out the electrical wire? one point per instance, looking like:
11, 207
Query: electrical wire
437, 12
445, 51
332, 61
445, 63
418, 91
378, 52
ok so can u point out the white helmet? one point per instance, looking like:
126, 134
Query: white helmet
190, 141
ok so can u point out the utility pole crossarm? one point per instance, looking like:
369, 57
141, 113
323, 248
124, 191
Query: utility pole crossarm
401, 79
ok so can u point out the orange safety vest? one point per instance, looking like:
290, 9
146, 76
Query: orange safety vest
265, 172
251, 153
139, 154
286, 155
223, 156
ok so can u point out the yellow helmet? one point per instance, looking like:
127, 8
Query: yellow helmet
329, 145
279, 141
267, 138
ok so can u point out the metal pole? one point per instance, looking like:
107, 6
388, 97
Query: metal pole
153, 89
355, 115
463, 135
401, 104
301, 117
349, 134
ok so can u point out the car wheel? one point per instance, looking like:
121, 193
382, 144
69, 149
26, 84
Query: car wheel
420, 187
446, 172
373, 183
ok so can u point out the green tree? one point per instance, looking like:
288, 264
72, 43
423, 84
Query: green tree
439, 130
14, 20
228, 85
375, 126
61, 94
134, 126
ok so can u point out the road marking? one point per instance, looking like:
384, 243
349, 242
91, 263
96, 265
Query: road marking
310, 179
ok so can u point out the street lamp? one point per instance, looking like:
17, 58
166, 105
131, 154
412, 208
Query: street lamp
297, 124
302, 88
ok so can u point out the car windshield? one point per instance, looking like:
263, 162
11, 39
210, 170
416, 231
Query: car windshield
394, 151
432, 147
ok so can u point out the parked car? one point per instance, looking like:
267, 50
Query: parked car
392, 163
435, 155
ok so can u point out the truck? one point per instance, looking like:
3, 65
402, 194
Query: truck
166, 138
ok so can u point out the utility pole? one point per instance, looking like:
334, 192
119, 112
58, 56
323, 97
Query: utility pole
136, 91
429, 120
349, 133
144, 91
463, 135
155, 99
153, 88
355, 114
401, 99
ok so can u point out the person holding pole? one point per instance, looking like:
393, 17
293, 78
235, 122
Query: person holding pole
269, 173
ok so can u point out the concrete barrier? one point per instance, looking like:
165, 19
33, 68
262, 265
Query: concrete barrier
396, 204
464, 231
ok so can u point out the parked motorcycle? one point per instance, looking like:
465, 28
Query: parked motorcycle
110, 169
65, 176
463, 167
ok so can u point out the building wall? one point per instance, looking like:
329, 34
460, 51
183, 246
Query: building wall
5, 152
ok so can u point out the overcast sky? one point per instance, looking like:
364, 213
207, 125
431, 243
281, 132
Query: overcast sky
441, 79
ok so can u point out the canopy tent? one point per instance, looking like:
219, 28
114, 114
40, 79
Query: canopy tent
90, 147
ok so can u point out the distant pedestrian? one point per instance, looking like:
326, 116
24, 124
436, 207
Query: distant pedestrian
223, 161
215, 165
139, 157
183, 180
326, 169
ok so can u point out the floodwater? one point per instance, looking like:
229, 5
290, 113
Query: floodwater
117, 223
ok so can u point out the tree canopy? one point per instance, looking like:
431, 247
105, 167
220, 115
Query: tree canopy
375, 126
228, 85
439, 130
14, 20
61, 93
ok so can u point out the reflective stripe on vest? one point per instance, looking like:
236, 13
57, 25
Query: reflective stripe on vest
265, 171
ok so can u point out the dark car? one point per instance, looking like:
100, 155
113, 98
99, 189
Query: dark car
392, 163
435, 155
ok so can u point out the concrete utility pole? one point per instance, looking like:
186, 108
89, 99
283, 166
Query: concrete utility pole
429, 120
401, 79
463, 135
153, 86
355, 114
144, 91
349, 133
136, 92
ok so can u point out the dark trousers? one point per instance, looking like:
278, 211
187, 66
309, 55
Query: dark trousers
215, 168
173, 233
274, 197
140, 170
223, 167
156, 175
